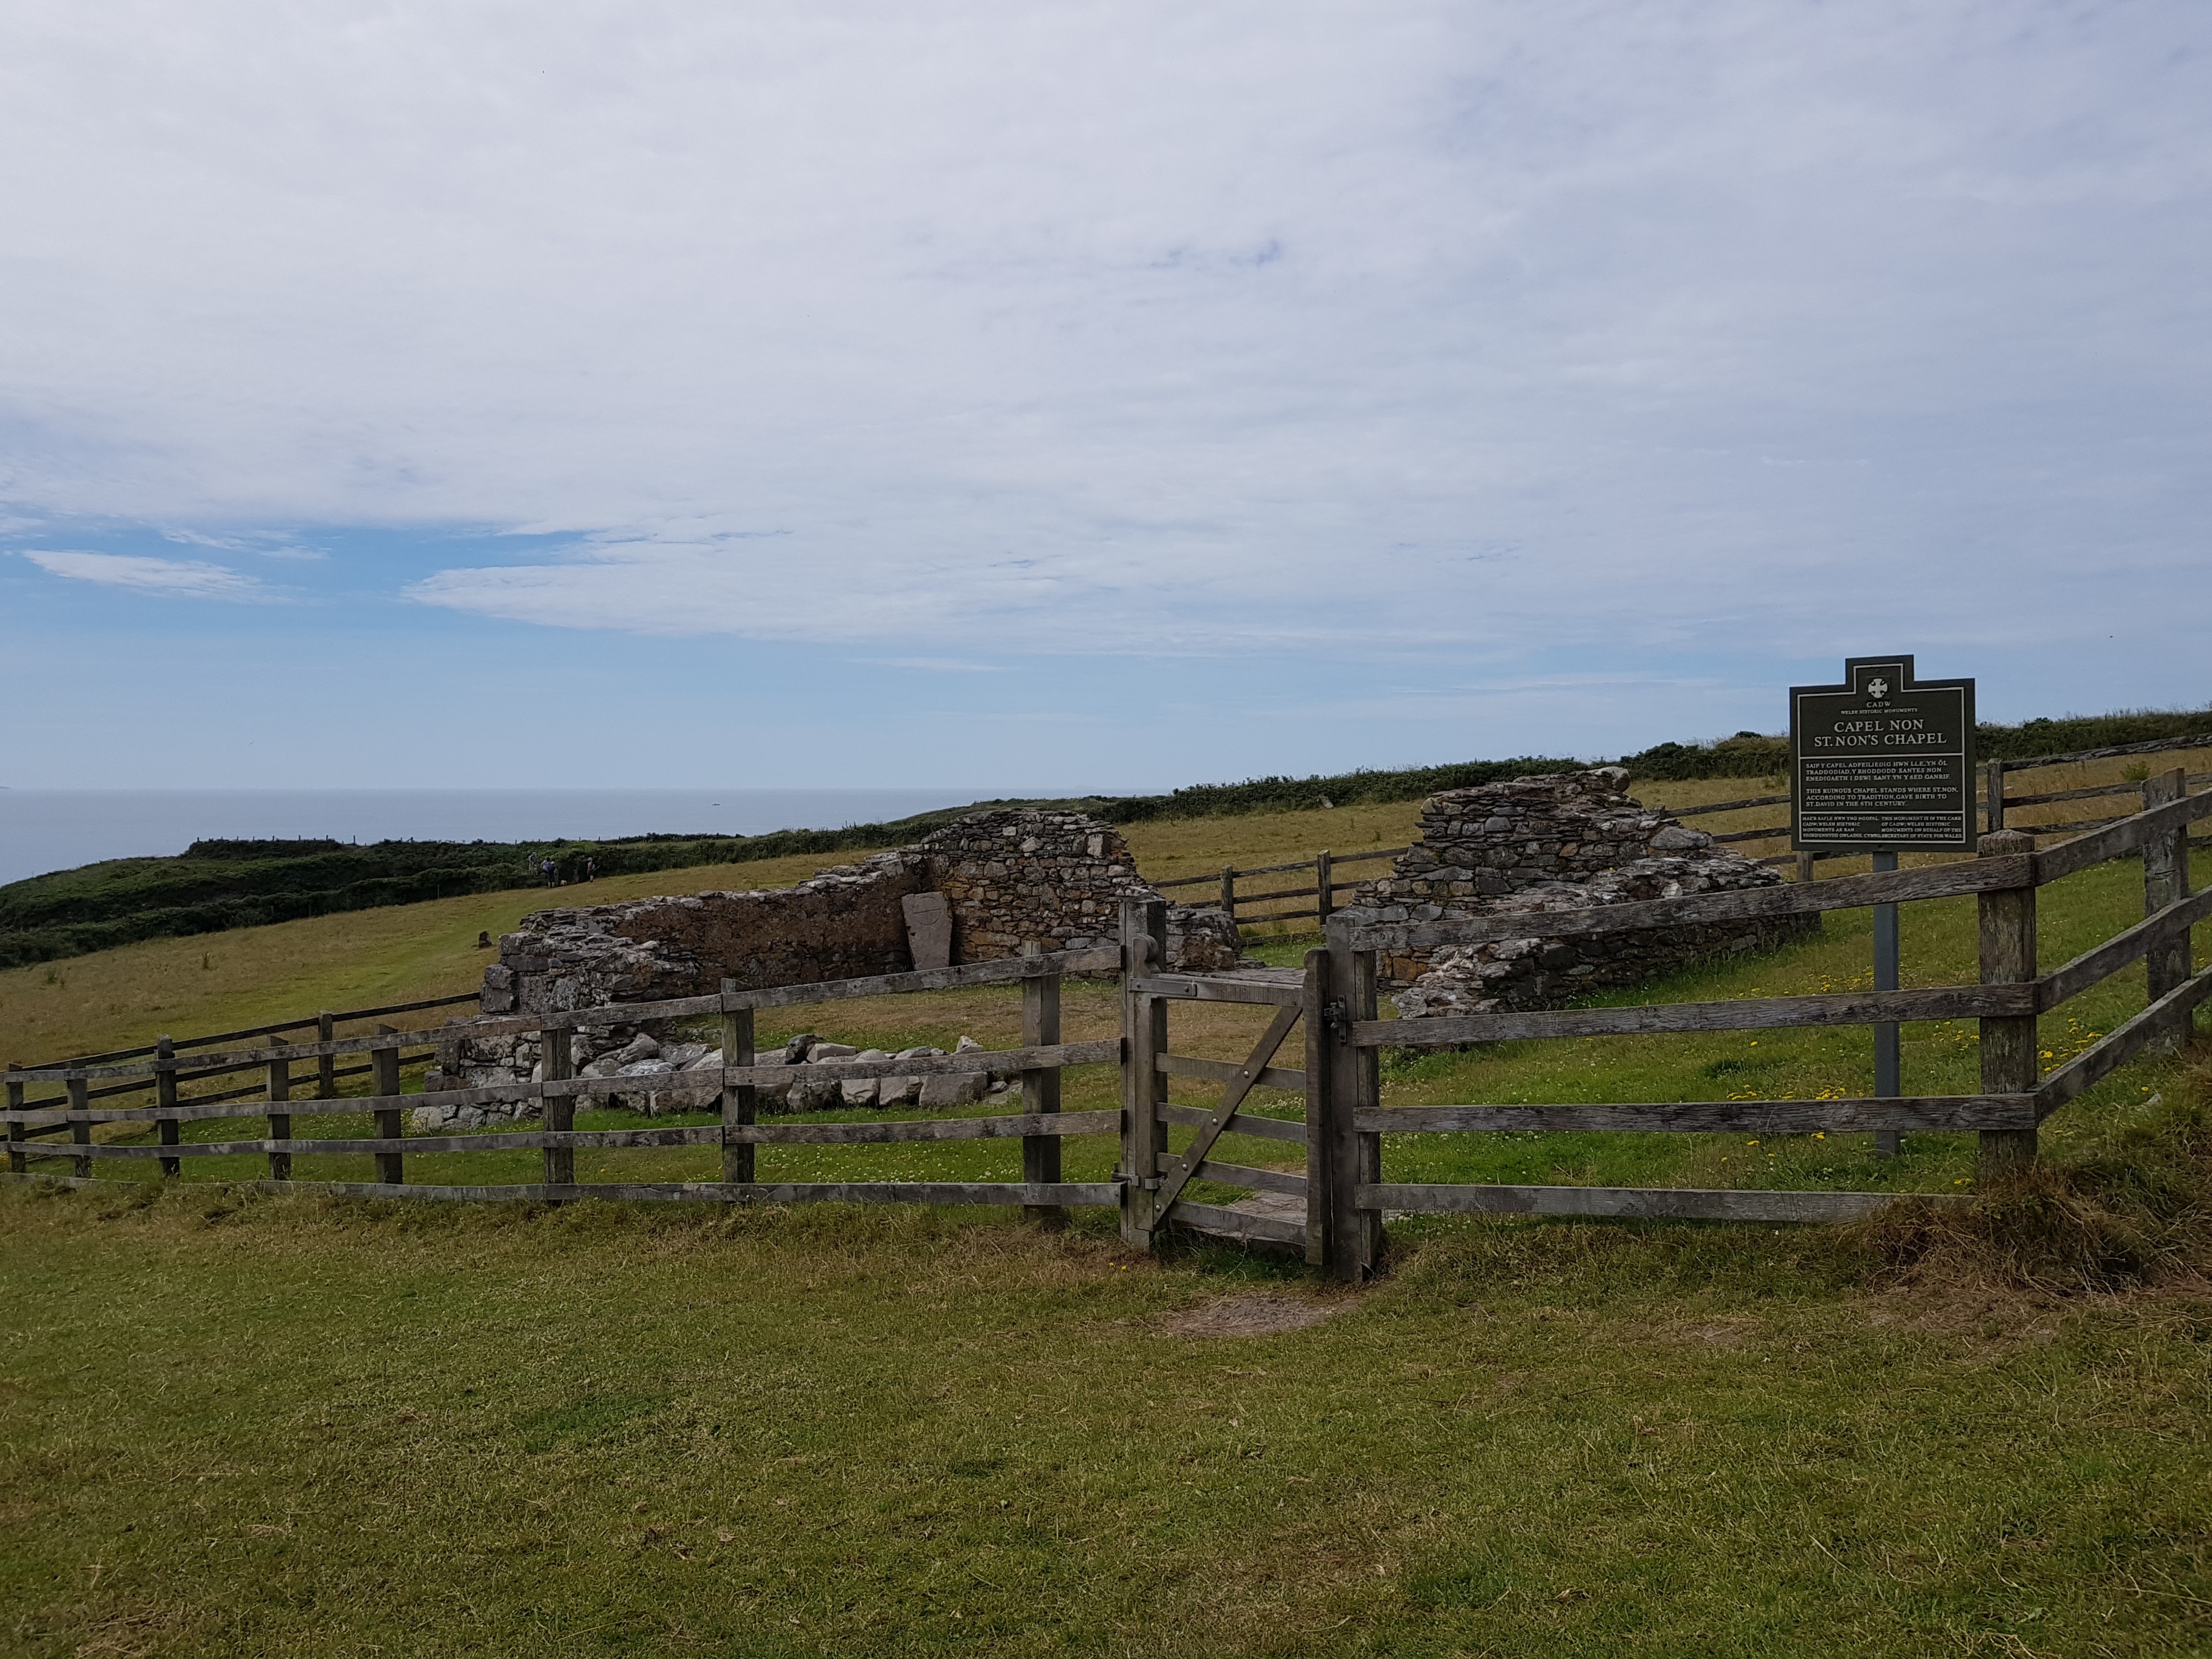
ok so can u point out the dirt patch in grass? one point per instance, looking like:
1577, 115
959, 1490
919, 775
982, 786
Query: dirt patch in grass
1257, 1313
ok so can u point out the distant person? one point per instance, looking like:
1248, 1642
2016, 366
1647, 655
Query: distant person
591, 868
546, 869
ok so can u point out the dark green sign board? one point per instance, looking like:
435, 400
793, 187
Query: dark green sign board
1882, 763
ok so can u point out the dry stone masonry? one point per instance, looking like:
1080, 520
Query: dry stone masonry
1010, 877
984, 888
1567, 841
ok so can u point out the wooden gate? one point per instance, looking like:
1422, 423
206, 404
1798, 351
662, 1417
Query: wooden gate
1156, 1177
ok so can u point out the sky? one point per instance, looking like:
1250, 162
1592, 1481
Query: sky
1073, 397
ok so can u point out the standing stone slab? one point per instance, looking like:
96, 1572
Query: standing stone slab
928, 929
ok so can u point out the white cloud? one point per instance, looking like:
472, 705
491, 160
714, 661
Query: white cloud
185, 579
1448, 324
263, 544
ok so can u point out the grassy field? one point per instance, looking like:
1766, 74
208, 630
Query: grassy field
243, 1424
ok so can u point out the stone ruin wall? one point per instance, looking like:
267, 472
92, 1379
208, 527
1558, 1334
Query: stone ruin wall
1010, 878
1567, 841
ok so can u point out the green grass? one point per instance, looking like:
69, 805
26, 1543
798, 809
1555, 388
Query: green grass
245, 1424
249, 1425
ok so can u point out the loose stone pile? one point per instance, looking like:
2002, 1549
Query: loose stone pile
1568, 841
478, 1064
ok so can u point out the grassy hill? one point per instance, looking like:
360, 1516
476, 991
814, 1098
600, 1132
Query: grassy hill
239, 1422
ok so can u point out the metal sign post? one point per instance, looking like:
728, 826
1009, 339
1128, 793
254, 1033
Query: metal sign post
1882, 763
1888, 1084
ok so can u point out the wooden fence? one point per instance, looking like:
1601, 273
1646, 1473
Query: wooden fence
555, 1093
168, 1083
2016, 1097
1993, 802
1332, 1210
1322, 892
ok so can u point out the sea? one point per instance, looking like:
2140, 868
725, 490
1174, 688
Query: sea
46, 829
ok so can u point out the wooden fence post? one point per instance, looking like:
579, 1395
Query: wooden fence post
1040, 1087
327, 1064
1144, 1086
165, 1098
1228, 899
1993, 797
1319, 1059
1325, 885
740, 1102
557, 1112
80, 1102
391, 1120
2009, 1062
280, 1123
18, 1132
2165, 881
1355, 1085
1805, 867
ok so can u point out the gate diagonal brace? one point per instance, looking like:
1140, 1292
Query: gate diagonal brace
1232, 1096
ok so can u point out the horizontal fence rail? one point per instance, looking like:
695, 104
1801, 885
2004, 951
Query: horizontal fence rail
1039, 1062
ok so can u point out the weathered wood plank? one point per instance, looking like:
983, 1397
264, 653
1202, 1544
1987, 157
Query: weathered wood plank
80, 1123
2128, 835
1770, 833
1959, 1112
496, 1095
1790, 899
2005, 924
740, 1103
2050, 797
1319, 1035
1236, 1223
2124, 1043
1200, 988
883, 1131
556, 1057
1244, 899
1738, 1014
1654, 1203
1355, 1155
391, 1120
17, 1136
1728, 806
2167, 961
490, 1140
2062, 984
1260, 1180
1144, 935
1245, 1123
1367, 857
1041, 1085
1106, 1193
180, 1043
1223, 1071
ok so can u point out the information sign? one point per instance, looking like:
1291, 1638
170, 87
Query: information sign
1882, 763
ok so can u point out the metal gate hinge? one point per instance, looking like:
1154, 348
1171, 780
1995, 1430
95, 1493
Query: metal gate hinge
1333, 1013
